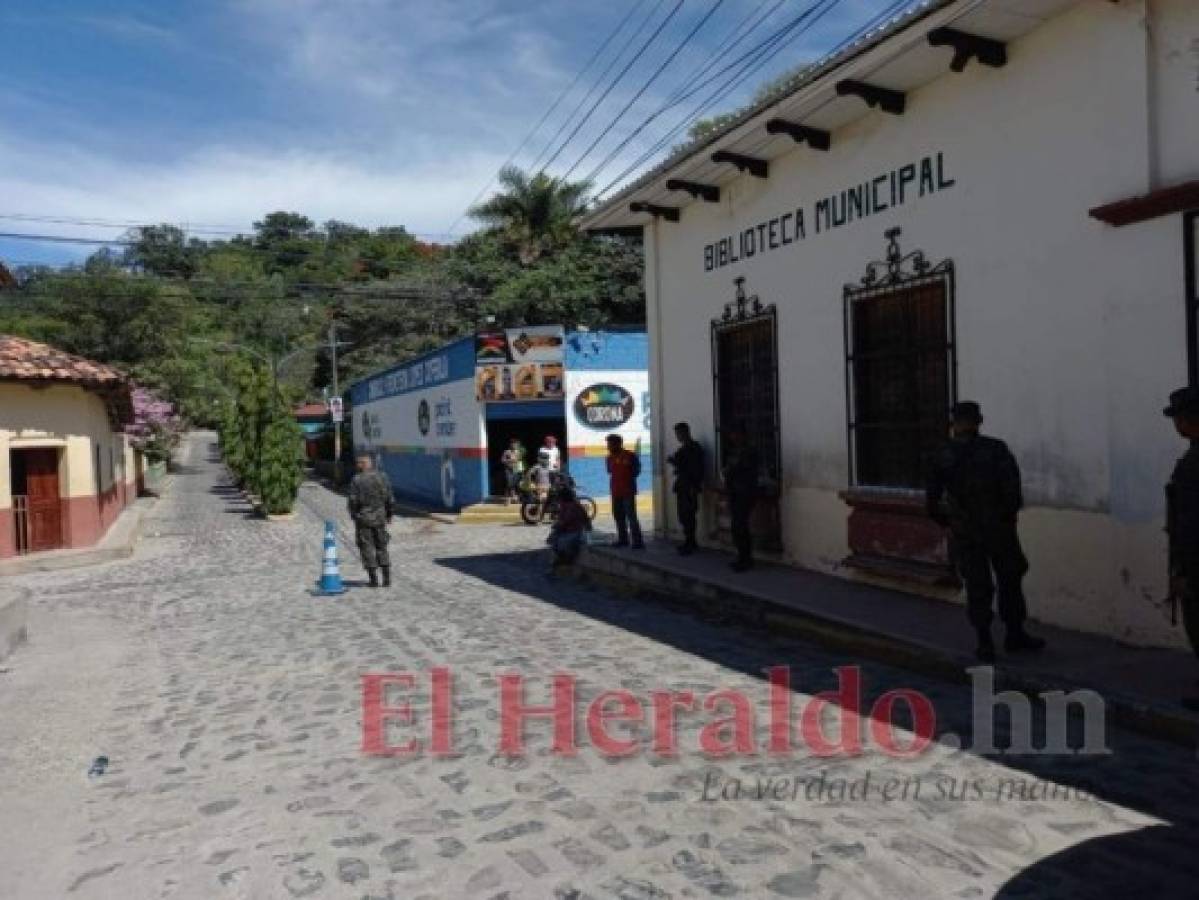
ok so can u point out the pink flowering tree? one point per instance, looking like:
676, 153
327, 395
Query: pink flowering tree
156, 428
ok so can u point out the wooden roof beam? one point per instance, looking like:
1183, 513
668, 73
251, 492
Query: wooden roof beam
669, 213
814, 137
966, 47
759, 168
894, 102
709, 193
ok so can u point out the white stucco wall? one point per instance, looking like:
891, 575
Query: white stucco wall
1070, 332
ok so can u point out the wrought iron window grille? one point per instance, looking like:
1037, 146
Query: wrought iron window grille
901, 365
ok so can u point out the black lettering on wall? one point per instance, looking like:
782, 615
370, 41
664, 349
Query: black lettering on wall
906, 176
942, 181
926, 177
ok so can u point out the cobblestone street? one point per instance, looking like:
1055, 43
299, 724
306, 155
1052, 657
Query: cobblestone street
228, 700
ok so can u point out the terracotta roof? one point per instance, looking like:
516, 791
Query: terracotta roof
25, 360
311, 411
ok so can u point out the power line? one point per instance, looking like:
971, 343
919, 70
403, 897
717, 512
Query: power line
118, 223
745, 65
646, 86
533, 166
890, 12
680, 93
629, 65
549, 112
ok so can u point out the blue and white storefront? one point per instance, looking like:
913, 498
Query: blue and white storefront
438, 424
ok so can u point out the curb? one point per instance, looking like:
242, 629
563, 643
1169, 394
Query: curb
14, 612
643, 580
76, 559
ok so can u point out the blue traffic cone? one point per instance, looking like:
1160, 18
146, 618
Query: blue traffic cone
330, 582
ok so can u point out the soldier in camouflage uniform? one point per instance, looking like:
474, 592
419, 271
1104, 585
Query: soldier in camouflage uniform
1182, 518
371, 508
974, 490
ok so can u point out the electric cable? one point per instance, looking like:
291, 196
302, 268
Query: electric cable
646, 85
549, 112
533, 166
895, 9
629, 65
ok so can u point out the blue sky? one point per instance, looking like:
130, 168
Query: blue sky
212, 112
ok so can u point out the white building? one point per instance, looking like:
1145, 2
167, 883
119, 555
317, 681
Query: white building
991, 200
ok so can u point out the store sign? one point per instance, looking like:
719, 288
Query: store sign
532, 344
520, 364
604, 406
421, 374
863, 200
336, 410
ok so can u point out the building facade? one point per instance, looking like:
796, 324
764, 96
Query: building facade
990, 200
439, 424
67, 469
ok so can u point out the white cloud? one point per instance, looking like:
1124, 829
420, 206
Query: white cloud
228, 186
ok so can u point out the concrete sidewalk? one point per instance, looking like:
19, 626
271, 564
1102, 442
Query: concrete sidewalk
1142, 687
118, 543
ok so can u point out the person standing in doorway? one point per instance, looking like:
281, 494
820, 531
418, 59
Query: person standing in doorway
513, 461
688, 462
974, 490
741, 486
623, 469
372, 507
1182, 519
551, 447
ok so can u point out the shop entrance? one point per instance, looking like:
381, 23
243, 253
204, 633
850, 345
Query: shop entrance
527, 422
36, 505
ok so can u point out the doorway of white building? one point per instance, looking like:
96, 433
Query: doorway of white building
530, 422
37, 505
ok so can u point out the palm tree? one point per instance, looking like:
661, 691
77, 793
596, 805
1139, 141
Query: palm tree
536, 211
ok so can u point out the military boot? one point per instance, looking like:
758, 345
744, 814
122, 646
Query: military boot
374, 577
986, 647
386, 576
1018, 640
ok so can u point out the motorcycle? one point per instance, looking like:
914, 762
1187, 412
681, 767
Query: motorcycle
534, 512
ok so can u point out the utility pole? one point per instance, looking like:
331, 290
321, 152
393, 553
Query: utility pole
337, 394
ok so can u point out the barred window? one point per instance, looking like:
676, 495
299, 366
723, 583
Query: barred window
746, 370
899, 356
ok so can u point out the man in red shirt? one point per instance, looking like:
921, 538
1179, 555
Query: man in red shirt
623, 469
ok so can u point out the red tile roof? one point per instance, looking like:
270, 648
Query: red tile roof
311, 411
26, 360
29, 361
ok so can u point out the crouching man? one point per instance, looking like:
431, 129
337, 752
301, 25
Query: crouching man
570, 530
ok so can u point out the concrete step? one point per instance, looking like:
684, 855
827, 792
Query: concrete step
1141, 687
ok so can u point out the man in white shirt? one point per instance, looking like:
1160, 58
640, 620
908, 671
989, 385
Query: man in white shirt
551, 447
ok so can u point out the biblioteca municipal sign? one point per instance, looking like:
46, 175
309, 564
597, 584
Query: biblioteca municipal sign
876, 195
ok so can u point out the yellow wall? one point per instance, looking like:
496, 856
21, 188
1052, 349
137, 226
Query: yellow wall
65, 416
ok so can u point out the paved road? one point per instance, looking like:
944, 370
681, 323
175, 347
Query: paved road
228, 701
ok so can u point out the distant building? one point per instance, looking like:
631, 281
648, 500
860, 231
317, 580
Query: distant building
66, 467
992, 200
6, 278
314, 421
438, 424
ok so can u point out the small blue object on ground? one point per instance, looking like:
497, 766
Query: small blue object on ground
330, 581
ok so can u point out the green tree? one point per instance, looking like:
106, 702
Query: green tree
536, 212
